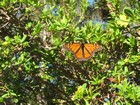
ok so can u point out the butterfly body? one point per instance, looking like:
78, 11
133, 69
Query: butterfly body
82, 51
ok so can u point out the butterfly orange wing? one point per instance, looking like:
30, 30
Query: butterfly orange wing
82, 51
90, 49
75, 49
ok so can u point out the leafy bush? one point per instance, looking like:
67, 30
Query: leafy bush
36, 69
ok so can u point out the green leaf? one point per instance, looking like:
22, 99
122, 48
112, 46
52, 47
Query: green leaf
5, 95
118, 99
131, 41
15, 100
23, 39
86, 101
57, 41
29, 25
129, 12
80, 92
1, 99
7, 38
126, 69
123, 20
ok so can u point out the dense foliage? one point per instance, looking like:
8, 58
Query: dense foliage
35, 68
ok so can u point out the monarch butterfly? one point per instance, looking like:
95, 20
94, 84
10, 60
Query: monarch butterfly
82, 51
